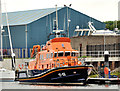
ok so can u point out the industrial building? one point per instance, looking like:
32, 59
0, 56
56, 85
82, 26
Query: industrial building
33, 27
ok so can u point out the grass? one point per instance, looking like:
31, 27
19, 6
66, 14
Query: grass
113, 73
85, 57
93, 76
116, 73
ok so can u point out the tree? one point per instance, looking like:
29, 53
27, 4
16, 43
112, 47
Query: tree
112, 24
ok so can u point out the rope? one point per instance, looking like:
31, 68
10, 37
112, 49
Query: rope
95, 72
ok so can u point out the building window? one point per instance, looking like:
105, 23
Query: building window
54, 25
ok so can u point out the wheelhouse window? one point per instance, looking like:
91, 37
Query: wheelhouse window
47, 56
55, 54
73, 54
51, 55
67, 53
60, 54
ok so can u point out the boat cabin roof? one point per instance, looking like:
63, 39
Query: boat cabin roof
58, 45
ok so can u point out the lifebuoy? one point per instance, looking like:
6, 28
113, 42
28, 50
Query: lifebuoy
20, 67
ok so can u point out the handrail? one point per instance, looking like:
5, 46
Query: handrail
38, 49
112, 53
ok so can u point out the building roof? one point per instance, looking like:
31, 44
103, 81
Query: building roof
92, 31
26, 17
104, 32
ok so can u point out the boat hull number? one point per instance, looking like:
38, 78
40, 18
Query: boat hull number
61, 74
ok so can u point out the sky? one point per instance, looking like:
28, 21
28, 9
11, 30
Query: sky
103, 10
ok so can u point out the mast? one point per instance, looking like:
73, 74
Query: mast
68, 20
12, 54
67, 23
56, 22
57, 32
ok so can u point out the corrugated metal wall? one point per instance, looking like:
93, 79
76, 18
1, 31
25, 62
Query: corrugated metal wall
17, 36
41, 28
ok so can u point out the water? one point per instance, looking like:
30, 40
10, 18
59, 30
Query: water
16, 85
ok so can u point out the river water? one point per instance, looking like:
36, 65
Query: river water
17, 85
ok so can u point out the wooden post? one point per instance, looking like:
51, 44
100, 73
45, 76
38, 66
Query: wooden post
113, 65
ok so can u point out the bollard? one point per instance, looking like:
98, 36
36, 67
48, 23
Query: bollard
1, 59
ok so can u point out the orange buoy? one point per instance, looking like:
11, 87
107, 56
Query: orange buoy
106, 70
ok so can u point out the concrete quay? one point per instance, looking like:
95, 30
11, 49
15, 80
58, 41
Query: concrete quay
7, 64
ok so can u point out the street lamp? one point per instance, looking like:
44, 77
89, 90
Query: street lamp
68, 20
68, 27
1, 42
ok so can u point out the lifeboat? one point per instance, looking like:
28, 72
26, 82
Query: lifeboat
56, 62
